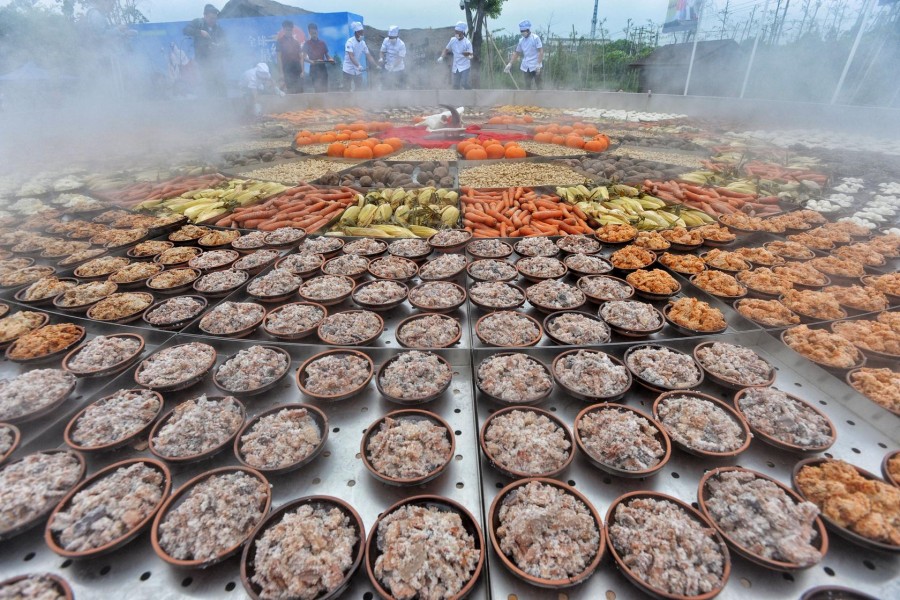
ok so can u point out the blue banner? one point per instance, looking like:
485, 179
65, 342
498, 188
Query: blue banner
167, 55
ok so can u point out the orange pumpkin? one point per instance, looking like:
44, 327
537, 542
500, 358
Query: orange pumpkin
341, 126
342, 137
574, 141
357, 126
528, 119
590, 130
395, 143
302, 140
594, 146
495, 120
382, 150
371, 142
327, 138
566, 129
358, 134
540, 129
362, 152
494, 151
515, 152
544, 138
559, 139
603, 140
476, 154
336, 149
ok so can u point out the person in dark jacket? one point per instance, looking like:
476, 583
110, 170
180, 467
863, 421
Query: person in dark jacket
210, 49
290, 55
316, 54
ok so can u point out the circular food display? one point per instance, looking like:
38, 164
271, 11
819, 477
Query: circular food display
414, 377
507, 328
283, 438
407, 447
526, 442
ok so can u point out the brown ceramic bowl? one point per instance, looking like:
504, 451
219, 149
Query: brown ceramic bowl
893, 299
44, 357
488, 307
738, 231
336, 243
872, 356
191, 458
655, 387
780, 444
301, 376
735, 415
180, 385
683, 329
884, 468
425, 276
18, 296
329, 301
449, 247
696, 516
131, 254
116, 368
178, 288
300, 334
25, 526
510, 472
127, 318
304, 274
137, 283
361, 342
599, 299
834, 592
248, 570
724, 381
315, 414
661, 435
832, 525
418, 258
737, 306
398, 332
630, 332
411, 264
807, 318
221, 293
298, 238
51, 539
421, 400
476, 255
653, 296
62, 586
591, 240
281, 297
408, 414
257, 390
470, 524
581, 395
839, 371
446, 309
174, 324
493, 523
44, 319
4, 308
163, 260
16, 438
210, 244
512, 275
693, 278
382, 306
810, 254
603, 240
578, 273
233, 255
67, 434
729, 271
549, 319
243, 332
173, 501
44, 410
820, 541
382, 248
538, 278
354, 276
547, 309
534, 321
517, 401
627, 270
253, 270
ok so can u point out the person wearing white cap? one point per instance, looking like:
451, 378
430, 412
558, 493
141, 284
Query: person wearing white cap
531, 50
255, 81
393, 59
354, 50
461, 48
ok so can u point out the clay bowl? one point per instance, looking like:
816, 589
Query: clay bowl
411, 264
325, 502
731, 384
166, 261
4, 308
127, 318
207, 243
449, 247
173, 502
683, 329
737, 306
330, 301
531, 342
51, 539
446, 309
175, 324
44, 357
434, 502
242, 263
421, 400
16, 438
549, 319
19, 296
300, 334
695, 515
138, 283
735, 415
586, 397
832, 525
655, 297
67, 434
725, 297
416, 257
493, 523
809, 255
243, 332
517, 401
738, 231
62, 586
314, 413
409, 414
834, 592
611, 242
579, 273
406, 344
569, 244
302, 376
181, 287
335, 245
488, 307
627, 270
25, 526
80, 308
381, 249
820, 541
806, 318
839, 371
119, 366
425, 275
510, 472
131, 253
601, 299
679, 247
260, 389
360, 342
192, 458
297, 237
513, 271
724, 270
539, 278
884, 468
873, 356
629, 331
222, 292
893, 299
812, 286
547, 309
180, 385
661, 436
280, 297
43, 320
652, 386
475, 254
305, 274
232, 255
382, 306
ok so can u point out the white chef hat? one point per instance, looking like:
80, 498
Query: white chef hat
460, 26
394, 31
526, 24
356, 26
262, 70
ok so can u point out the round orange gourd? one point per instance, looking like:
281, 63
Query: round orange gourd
342, 137
495, 120
327, 138
574, 141
357, 126
566, 129
371, 142
362, 152
341, 126
544, 138
336, 149
358, 134
603, 140
302, 140
494, 151
590, 130
559, 139
594, 146
476, 154
382, 150
395, 143
540, 129
515, 152
528, 119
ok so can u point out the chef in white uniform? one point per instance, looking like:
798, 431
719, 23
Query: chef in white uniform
531, 50
356, 57
393, 59
461, 49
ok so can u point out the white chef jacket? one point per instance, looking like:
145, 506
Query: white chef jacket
457, 47
528, 48
251, 80
359, 49
394, 53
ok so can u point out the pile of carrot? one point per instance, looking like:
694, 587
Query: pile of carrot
774, 172
134, 194
303, 206
519, 212
714, 201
